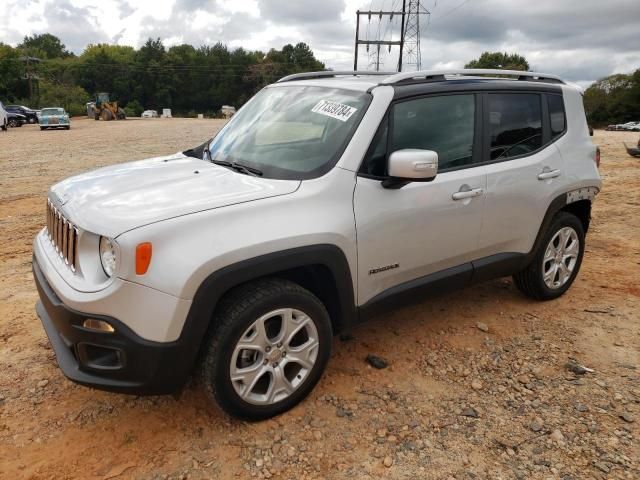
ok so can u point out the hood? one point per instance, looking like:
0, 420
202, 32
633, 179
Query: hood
115, 199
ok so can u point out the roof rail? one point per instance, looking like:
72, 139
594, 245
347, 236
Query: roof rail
329, 73
439, 75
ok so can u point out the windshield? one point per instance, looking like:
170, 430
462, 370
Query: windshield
291, 132
52, 111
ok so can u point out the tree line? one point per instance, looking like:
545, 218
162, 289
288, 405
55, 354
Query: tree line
42, 72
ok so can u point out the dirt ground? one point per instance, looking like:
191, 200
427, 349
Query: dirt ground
455, 402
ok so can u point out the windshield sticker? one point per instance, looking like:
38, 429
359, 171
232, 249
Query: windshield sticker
335, 110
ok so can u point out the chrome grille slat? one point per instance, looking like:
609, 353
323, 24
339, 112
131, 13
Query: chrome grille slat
63, 236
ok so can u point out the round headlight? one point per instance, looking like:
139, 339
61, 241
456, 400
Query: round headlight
108, 255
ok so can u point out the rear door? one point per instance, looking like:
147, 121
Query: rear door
524, 170
424, 227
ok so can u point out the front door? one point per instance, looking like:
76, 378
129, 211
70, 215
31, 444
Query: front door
424, 227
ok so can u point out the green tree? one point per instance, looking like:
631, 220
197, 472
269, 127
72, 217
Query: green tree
44, 46
70, 97
500, 60
613, 99
12, 83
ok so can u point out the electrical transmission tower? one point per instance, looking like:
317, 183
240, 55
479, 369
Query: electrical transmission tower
409, 42
411, 37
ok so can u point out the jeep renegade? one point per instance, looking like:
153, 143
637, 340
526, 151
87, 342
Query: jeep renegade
328, 198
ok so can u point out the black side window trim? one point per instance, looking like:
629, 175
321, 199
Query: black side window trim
481, 140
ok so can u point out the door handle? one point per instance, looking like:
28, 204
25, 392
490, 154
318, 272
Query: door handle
476, 192
546, 175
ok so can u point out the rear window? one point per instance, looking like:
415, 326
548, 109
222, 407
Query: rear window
515, 124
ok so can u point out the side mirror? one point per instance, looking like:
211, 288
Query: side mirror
411, 165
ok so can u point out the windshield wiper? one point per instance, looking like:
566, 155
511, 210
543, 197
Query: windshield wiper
238, 167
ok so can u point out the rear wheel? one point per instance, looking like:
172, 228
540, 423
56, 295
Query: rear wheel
43, 128
557, 260
4, 125
270, 344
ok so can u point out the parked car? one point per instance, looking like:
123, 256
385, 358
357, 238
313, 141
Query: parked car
54, 118
629, 126
30, 115
15, 119
328, 199
149, 114
3, 117
228, 111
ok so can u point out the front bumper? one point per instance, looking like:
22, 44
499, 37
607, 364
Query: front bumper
120, 361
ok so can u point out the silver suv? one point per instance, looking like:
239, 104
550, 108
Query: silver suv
327, 199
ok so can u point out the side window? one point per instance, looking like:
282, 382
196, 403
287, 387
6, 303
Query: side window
375, 161
556, 115
443, 124
515, 124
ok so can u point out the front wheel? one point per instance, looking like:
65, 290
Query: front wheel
269, 346
556, 262
4, 125
13, 123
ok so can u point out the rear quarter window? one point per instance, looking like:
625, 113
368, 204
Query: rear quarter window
557, 117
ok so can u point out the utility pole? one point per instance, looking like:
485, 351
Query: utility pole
377, 42
409, 42
30, 75
404, 9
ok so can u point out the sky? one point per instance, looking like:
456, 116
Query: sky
581, 40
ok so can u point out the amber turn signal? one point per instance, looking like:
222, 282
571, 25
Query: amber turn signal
143, 257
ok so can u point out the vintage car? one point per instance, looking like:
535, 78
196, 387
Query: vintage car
54, 118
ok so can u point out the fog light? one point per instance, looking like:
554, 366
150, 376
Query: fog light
99, 325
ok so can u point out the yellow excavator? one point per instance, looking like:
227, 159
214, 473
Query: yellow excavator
107, 110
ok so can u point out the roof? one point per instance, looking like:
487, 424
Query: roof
365, 80
360, 83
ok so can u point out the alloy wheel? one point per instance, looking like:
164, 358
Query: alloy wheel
560, 258
274, 356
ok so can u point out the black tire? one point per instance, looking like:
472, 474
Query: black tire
530, 281
13, 123
106, 115
43, 128
4, 125
236, 312
67, 128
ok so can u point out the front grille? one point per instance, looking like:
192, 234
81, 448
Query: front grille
63, 235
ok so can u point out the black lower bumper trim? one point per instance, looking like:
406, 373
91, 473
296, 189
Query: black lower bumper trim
120, 361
